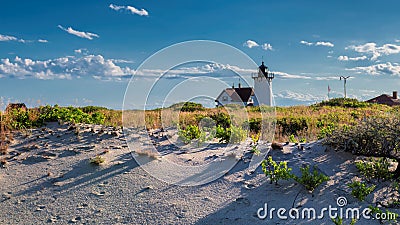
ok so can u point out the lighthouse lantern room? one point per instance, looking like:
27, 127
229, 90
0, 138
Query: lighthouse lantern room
263, 86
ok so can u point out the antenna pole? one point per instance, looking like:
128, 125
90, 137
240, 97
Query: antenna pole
344, 84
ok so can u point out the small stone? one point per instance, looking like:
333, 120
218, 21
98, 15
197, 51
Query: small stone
101, 193
40, 208
276, 146
7, 195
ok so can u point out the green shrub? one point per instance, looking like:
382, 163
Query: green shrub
311, 179
292, 139
238, 135
276, 171
371, 137
375, 168
233, 135
255, 150
70, 114
339, 221
255, 138
222, 134
189, 133
97, 118
326, 130
255, 125
222, 119
191, 107
360, 190
292, 125
19, 119
344, 102
97, 160
92, 109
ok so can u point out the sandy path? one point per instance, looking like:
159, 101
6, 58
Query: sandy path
50, 180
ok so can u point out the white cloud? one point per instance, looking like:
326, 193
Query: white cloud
7, 38
12, 38
131, 9
267, 46
283, 75
83, 51
306, 43
374, 50
324, 43
81, 34
212, 69
319, 43
302, 97
378, 69
346, 58
122, 61
63, 68
251, 44
98, 67
397, 40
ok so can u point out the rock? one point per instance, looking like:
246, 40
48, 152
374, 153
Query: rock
276, 146
87, 147
53, 219
75, 220
242, 200
40, 208
7, 195
101, 193
115, 133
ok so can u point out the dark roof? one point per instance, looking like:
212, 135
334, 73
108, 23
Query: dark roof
385, 99
240, 94
12, 106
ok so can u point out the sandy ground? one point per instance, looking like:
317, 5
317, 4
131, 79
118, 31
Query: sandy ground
48, 179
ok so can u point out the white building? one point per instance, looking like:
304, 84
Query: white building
261, 94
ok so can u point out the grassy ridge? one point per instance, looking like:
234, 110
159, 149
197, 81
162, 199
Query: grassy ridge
298, 122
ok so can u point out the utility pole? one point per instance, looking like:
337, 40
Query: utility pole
345, 81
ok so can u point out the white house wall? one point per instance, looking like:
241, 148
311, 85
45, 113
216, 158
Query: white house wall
222, 97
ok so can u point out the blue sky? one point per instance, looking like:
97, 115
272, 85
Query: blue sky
84, 52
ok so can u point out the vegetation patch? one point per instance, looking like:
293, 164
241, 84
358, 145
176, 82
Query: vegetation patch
360, 190
97, 160
276, 171
375, 168
311, 179
372, 137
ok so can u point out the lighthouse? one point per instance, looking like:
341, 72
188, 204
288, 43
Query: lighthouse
263, 86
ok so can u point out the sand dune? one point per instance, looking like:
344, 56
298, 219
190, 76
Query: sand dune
49, 179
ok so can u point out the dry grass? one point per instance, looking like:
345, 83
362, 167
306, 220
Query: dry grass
97, 160
5, 135
147, 152
316, 118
